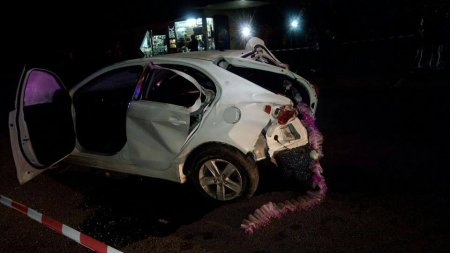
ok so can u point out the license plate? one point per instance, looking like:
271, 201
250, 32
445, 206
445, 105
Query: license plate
290, 133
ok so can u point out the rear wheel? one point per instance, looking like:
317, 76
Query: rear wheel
223, 173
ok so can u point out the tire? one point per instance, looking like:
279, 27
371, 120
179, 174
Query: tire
223, 173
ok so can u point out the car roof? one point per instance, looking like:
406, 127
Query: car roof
199, 57
204, 57
210, 55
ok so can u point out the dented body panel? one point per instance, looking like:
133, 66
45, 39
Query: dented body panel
160, 137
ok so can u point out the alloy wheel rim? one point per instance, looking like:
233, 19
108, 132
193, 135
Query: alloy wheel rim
220, 179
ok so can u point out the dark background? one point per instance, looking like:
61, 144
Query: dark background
73, 38
384, 123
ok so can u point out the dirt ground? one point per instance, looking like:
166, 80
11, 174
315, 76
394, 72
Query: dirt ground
386, 150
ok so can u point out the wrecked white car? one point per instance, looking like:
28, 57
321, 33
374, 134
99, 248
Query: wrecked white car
207, 117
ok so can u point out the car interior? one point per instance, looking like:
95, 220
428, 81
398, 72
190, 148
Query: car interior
208, 87
101, 104
101, 107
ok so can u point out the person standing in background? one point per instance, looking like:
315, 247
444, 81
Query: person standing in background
193, 45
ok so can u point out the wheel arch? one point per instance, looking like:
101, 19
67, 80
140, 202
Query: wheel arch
190, 159
251, 169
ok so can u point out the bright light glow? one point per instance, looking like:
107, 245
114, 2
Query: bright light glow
294, 23
191, 22
246, 31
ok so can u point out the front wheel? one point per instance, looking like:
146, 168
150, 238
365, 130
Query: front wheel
224, 174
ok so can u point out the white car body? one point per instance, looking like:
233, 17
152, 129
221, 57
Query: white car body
158, 135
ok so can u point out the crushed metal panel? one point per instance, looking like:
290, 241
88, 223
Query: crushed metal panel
156, 132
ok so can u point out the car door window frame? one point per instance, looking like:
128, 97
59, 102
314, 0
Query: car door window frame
147, 80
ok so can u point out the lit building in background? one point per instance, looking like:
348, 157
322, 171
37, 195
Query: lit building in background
202, 28
152, 44
217, 26
228, 25
176, 36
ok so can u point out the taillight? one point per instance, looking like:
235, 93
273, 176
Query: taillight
268, 109
285, 114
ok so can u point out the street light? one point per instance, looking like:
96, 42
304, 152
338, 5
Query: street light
246, 31
294, 28
294, 23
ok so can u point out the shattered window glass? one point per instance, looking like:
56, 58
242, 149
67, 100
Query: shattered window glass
276, 83
201, 78
168, 87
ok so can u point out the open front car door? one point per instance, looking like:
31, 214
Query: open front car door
41, 127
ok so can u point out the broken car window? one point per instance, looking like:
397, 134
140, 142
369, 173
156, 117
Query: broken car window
168, 87
201, 78
276, 83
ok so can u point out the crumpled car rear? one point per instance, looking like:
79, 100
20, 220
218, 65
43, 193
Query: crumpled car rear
285, 142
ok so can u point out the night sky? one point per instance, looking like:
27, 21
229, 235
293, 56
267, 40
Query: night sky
41, 25
42, 33
46, 25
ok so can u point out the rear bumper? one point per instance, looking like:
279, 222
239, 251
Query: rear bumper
289, 136
296, 162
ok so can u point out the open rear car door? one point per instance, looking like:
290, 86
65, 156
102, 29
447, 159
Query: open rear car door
159, 124
41, 126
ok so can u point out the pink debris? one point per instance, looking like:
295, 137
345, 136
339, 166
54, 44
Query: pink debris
269, 211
